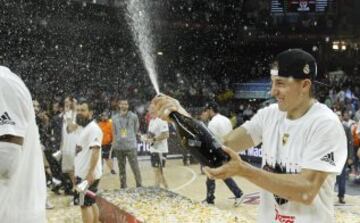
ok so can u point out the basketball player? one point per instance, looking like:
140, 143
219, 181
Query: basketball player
22, 175
302, 140
88, 159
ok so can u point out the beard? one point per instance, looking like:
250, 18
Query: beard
123, 110
82, 121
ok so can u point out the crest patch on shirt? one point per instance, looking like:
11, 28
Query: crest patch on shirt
285, 139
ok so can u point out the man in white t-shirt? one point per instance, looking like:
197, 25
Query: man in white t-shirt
88, 159
158, 133
220, 126
70, 135
22, 175
303, 145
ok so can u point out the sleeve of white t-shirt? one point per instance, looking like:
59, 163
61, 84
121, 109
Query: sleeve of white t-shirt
212, 128
14, 109
254, 127
96, 137
326, 148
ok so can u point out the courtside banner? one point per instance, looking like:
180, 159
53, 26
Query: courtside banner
173, 143
252, 155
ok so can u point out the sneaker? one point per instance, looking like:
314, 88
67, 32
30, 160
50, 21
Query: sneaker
208, 202
341, 200
56, 182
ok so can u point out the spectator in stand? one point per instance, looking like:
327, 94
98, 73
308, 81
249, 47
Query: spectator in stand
105, 125
357, 115
356, 144
347, 120
341, 179
42, 121
248, 112
56, 126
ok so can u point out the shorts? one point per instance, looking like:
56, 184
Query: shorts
105, 152
155, 160
88, 201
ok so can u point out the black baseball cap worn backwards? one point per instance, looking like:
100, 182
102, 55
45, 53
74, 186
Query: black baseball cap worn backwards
211, 105
294, 63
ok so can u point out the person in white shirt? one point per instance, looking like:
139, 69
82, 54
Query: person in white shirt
220, 126
88, 159
22, 175
302, 140
158, 133
70, 135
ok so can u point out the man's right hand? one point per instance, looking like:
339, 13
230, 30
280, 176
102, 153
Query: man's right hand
164, 105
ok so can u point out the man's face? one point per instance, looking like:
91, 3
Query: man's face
83, 114
56, 107
204, 116
346, 117
123, 105
104, 116
287, 92
36, 106
67, 102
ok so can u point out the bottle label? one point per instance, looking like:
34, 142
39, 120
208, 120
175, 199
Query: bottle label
194, 143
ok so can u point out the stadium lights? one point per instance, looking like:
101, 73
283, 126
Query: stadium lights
339, 45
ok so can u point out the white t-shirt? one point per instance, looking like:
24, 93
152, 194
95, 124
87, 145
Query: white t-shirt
158, 126
90, 136
315, 141
69, 140
23, 198
220, 126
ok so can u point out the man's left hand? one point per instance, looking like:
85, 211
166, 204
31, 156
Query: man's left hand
234, 167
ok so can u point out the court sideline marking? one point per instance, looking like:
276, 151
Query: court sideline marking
194, 175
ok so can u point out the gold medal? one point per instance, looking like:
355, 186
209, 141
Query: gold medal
123, 132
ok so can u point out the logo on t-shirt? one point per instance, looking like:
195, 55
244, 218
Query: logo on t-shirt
6, 120
285, 139
329, 158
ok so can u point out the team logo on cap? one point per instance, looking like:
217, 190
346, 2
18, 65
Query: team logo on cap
306, 69
274, 69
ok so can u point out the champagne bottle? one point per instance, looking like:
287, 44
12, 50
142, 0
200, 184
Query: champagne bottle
198, 139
